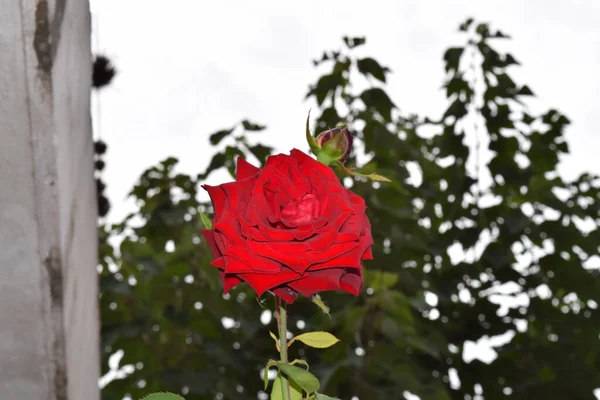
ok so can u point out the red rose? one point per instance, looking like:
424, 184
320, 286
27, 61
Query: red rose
290, 228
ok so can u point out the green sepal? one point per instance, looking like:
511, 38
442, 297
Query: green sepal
314, 147
206, 221
321, 305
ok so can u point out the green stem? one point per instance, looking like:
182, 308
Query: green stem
282, 325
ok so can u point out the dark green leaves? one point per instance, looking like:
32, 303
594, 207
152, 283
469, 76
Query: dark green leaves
377, 99
452, 58
216, 137
457, 109
458, 85
261, 152
450, 242
307, 381
295, 391
525, 91
326, 86
353, 42
368, 66
250, 126
465, 25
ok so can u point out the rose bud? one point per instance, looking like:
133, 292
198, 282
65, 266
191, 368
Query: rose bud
335, 144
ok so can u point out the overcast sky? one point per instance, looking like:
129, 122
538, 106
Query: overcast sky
189, 69
194, 67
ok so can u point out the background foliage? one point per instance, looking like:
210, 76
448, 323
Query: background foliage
456, 231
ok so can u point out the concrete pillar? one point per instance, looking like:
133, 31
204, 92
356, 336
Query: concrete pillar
49, 339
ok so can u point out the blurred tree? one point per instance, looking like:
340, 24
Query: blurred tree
456, 231
103, 73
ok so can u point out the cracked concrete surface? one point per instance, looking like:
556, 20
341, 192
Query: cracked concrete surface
48, 285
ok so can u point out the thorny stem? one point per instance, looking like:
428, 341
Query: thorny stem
281, 314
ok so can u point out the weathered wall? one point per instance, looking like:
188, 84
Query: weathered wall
48, 284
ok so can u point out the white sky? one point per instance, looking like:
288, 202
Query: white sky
193, 67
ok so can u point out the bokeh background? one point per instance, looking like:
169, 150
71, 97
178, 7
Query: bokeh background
485, 279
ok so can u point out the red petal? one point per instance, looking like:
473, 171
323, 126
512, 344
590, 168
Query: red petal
219, 201
244, 169
238, 194
291, 254
219, 263
306, 163
229, 281
210, 239
230, 227
350, 259
352, 282
286, 294
318, 281
253, 261
334, 251
263, 282
356, 224
368, 254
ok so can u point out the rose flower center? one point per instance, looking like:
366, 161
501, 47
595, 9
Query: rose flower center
305, 210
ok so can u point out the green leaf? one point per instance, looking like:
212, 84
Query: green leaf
302, 377
321, 305
378, 280
162, 396
217, 161
295, 390
325, 397
318, 339
261, 152
330, 117
465, 25
206, 221
452, 58
270, 363
376, 177
326, 86
216, 137
298, 361
457, 85
353, 42
457, 109
249, 126
379, 100
368, 66
525, 91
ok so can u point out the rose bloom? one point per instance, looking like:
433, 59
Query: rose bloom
290, 228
